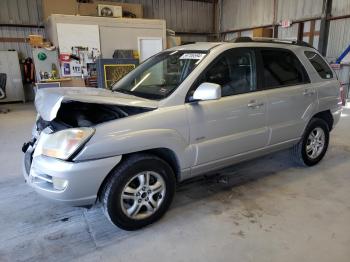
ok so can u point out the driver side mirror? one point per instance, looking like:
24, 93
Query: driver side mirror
207, 91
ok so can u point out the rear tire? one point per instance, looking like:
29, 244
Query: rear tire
138, 192
313, 145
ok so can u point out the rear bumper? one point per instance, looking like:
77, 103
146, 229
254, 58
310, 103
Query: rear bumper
81, 180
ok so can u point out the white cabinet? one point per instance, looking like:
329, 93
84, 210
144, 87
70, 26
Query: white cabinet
113, 33
9, 64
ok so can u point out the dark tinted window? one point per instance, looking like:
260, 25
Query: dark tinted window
319, 64
282, 68
234, 71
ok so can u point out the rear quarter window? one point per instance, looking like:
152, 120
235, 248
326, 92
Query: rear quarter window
319, 64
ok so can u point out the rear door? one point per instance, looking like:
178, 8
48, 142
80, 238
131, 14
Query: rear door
327, 84
291, 97
236, 123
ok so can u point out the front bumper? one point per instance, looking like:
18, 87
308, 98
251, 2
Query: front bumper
83, 179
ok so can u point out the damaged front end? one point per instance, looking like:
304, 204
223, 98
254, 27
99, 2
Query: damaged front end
75, 112
67, 119
85, 107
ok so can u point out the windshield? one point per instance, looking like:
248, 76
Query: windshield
159, 75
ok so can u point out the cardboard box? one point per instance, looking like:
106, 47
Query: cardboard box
172, 41
263, 32
66, 7
87, 9
36, 40
71, 7
74, 82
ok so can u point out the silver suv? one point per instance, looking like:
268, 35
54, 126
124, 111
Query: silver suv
184, 112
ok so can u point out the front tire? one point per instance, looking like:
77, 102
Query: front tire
313, 145
138, 192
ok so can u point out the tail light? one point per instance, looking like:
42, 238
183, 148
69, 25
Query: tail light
342, 94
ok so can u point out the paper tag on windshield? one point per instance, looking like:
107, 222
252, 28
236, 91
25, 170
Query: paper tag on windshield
195, 56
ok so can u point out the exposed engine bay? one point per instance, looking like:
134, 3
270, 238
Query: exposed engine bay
79, 114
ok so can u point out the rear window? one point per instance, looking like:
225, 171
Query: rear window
282, 68
319, 64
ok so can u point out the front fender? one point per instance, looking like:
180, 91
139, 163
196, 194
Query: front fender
114, 144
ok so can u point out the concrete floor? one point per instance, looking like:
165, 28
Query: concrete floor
263, 210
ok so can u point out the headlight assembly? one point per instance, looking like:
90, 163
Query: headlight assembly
63, 144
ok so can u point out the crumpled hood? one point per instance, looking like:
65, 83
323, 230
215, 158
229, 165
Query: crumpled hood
48, 100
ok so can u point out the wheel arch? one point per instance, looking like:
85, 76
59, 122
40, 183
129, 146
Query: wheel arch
163, 153
327, 117
168, 156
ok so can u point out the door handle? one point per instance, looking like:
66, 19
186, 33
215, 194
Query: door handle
254, 104
308, 92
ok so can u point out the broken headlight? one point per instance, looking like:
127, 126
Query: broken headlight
63, 144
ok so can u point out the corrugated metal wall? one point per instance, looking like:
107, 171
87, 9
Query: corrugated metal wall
242, 14
180, 15
340, 7
24, 49
21, 12
339, 37
298, 9
238, 14
288, 33
339, 31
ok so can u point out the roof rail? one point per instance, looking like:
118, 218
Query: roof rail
247, 39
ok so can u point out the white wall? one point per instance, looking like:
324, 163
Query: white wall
113, 38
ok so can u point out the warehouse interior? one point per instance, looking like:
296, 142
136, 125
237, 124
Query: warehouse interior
265, 209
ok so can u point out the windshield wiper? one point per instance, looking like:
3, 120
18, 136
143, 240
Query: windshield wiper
123, 91
127, 92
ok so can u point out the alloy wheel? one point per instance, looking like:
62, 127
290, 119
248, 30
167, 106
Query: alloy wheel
315, 143
143, 194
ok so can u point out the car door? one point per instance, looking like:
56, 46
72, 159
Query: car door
290, 95
236, 123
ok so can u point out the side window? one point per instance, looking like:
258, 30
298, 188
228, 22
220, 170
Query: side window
282, 68
234, 71
218, 73
319, 64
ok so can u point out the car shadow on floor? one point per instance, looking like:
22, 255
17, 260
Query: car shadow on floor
251, 172
237, 175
